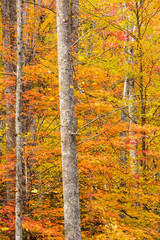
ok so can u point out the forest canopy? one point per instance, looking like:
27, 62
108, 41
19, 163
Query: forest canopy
79, 122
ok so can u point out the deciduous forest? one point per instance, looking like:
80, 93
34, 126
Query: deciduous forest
79, 119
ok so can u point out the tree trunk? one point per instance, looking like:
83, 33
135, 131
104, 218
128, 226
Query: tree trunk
18, 210
132, 110
68, 140
26, 47
8, 10
132, 120
124, 114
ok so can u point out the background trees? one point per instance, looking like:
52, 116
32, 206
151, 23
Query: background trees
115, 201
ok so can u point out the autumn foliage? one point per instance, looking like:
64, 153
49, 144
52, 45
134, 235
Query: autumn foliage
118, 200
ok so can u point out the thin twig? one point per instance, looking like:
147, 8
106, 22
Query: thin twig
42, 6
99, 133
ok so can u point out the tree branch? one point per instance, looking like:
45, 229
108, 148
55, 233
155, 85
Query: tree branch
42, 6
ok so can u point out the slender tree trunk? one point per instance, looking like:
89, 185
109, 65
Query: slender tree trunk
129, 91
124, 112
26, 47
132, 112
8, 10
2, 127
132, 120
18, 210
68, 140
143, 106
29, 124
124, 118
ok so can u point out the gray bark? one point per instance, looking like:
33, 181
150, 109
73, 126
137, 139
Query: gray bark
124, 118
132, 120
124, 113
18, 210
26, 51
129, 91
132, 114
8, 10
68, 140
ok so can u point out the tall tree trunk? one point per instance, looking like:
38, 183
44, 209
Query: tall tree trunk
132, 120
26, 47
129, 91
68, 140
8, 10
124, 115
18, 210
124, 112
132, 110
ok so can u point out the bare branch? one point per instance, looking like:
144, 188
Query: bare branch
42, 6
99, 133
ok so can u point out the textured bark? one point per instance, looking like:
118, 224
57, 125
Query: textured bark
132, 120
28, 124
129, 92
68, 140
8, 10
26, 47
132, 113
132, 108
18, 210
124, 112
2, 127
124, 118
